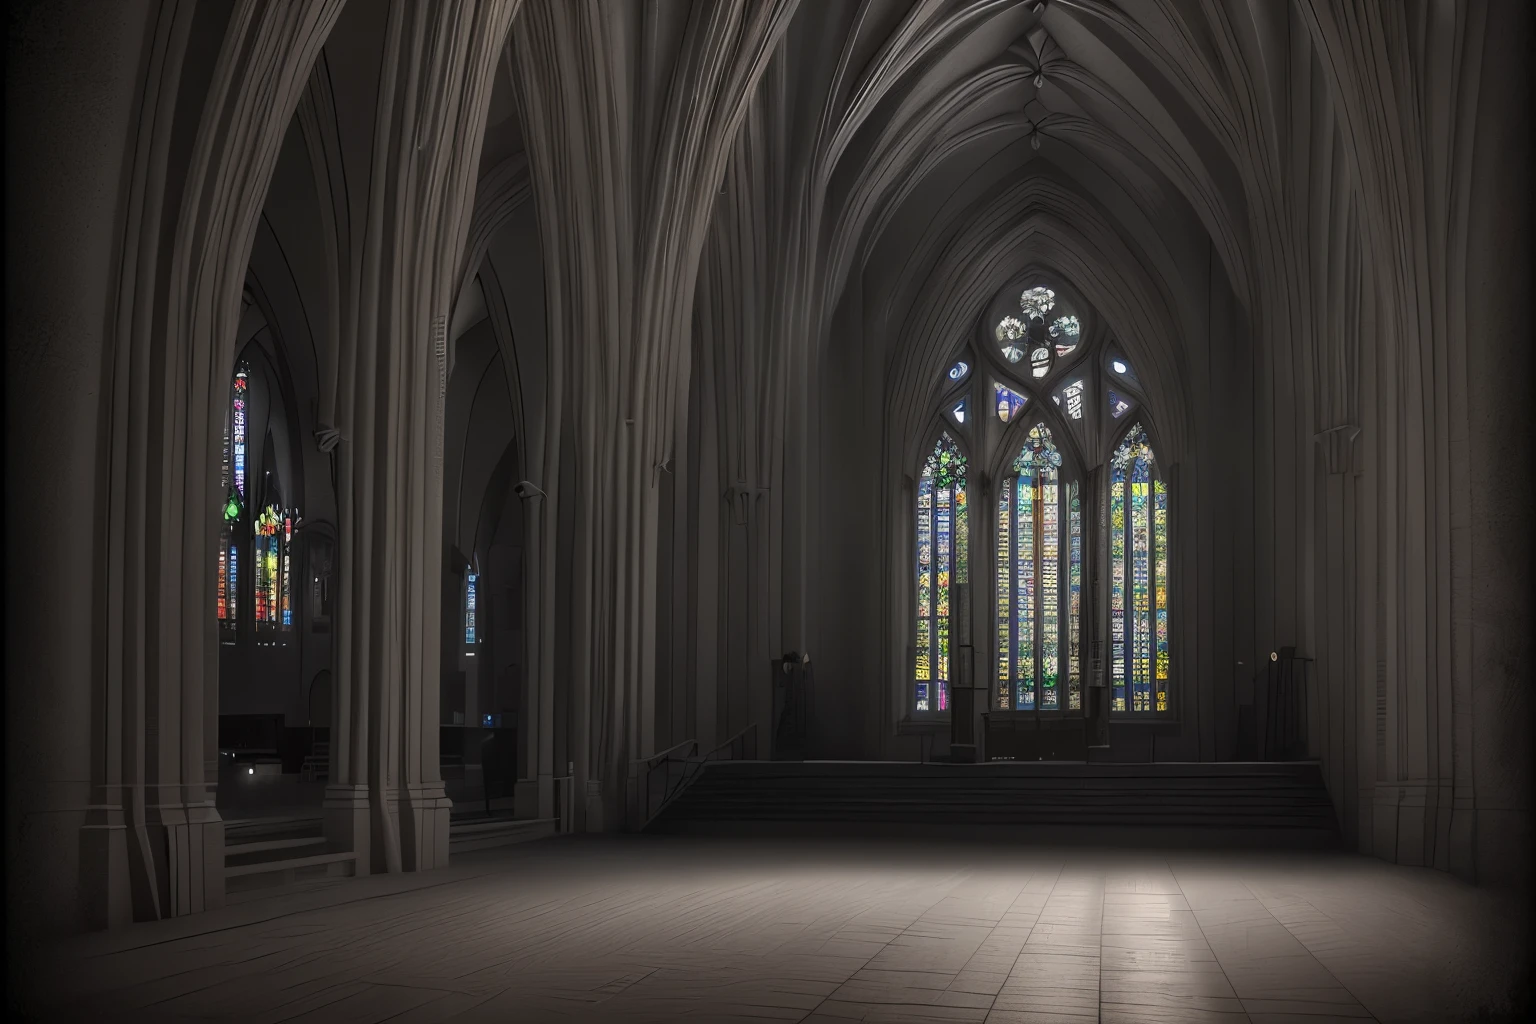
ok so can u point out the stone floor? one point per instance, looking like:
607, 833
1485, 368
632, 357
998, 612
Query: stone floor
662, 929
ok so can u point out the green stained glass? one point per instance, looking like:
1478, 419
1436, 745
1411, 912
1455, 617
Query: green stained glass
1050, 609
1160, 545
1004, 592
1030, 581
1139, 610
1024, 653
942, 560
1075, 605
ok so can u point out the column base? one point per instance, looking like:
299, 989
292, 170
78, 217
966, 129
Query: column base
347, 822
422, 815
187, 843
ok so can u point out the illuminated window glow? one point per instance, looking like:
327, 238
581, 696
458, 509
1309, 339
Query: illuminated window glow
472, 583
1009, 401
1071, 398
943, 542
1139, 609
1039, 519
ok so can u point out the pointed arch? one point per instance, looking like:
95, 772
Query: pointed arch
942, 564
1039, 578
1138, 550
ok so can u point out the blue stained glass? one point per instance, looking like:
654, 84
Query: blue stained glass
960, 369
1118, 405
1032, 580
941, 596
234, 580
1141, 544
1160, 544
1009, 401
941, 529
1024, 652
237, 405
1075, 604
1117, 585
1004, 593
469, 608
1138, 571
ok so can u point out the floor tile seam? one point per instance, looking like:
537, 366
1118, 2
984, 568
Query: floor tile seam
121, 990
817, 1008
1205, 938
1358, 1001
295, 912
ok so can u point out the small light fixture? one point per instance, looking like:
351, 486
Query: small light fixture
250, 771
1274, 655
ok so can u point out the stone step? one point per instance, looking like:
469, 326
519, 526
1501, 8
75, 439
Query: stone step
1204, 799
288, 868
268, 845
468, 836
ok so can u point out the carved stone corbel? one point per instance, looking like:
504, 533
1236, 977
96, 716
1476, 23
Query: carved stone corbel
1338, 446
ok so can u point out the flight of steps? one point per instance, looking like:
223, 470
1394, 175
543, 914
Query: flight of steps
1263, 803
262, 853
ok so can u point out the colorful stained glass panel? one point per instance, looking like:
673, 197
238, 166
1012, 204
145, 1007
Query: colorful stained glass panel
1009, 401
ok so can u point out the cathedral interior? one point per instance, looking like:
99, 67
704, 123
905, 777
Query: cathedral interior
994, 511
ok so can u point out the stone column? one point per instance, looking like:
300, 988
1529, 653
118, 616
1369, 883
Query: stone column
622, 217
188, 226
409, 195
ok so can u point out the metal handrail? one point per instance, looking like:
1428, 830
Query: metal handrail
657, 780
741, 736
663, 755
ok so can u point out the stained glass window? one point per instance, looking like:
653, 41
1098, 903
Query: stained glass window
1118, 405
1071, 398
242, 382
1037, 302
232, 483
286, 587
1122, 368
472, 584
959, 370
1064, 331
269, 535
1010, 332
1009, 401
1138, 557
1040, 360
957, 412
1043, 329
943, 541
1039, 599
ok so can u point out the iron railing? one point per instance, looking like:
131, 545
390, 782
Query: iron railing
657, 780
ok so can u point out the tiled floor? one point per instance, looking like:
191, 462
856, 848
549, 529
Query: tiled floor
664, 929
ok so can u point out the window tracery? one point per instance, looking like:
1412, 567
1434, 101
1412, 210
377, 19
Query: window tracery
1039, 581
943, 543
1138, 561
